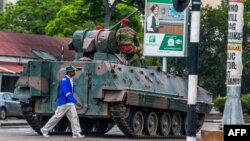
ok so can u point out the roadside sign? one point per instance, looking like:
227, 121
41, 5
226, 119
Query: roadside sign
234, 44
165, 31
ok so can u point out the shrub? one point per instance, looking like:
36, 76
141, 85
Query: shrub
246, 99
245, 106
219, 103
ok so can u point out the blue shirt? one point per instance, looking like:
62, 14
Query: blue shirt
66, 92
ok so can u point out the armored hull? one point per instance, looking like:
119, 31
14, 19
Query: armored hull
143, 103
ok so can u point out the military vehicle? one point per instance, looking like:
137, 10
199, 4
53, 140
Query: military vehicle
142, 102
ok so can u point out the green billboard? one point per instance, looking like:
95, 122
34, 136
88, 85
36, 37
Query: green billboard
165, 31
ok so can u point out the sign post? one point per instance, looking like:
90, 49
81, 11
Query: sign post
233, 110
193, 70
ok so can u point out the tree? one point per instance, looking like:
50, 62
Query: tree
80, 16
69, 19
212, 50
246, 50
30, 16
109, 8
61, 17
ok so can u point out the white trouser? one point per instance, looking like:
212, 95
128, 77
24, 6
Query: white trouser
71, 114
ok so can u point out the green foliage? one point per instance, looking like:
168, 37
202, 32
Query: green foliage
219, 103
246, 51
61, 17
139, 4
67, 20
212, 51
245, 105
245, 98
154, 61
29, 16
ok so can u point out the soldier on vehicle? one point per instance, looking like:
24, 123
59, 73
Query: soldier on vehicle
128, 42
66, 105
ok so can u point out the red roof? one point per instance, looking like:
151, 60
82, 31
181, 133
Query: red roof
11, 67
19, 44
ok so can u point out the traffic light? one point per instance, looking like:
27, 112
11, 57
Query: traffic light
180, 5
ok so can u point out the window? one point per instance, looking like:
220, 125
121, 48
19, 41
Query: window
7, 97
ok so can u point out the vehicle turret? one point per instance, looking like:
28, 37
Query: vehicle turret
88, 42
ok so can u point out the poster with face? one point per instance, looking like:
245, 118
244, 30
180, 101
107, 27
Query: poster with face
165, 29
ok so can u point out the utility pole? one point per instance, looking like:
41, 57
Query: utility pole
193, 64
233, 111
193, 70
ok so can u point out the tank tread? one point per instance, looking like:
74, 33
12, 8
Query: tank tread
28, 115
118, 113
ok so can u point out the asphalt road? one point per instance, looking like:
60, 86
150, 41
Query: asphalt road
22, 132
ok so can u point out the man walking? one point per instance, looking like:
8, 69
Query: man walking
128, 42
66, 105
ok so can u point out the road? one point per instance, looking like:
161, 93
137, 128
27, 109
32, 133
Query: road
25, 133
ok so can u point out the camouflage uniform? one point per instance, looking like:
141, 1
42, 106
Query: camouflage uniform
128, 42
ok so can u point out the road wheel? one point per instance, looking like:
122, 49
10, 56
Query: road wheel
151, 123
176, 124
2, 113
137, 122
165, 124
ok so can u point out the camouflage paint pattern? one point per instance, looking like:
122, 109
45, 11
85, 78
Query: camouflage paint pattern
127, 35
103, 78
100, 82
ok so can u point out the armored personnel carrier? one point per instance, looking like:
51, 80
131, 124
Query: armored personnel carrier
142, 102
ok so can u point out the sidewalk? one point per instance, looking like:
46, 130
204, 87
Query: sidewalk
214, 116
13, 122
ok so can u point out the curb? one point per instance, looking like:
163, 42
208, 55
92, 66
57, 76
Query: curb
13, 123
213, 120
